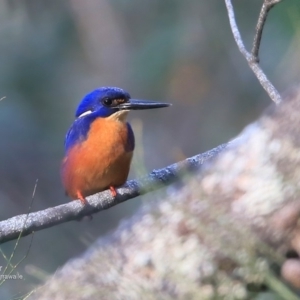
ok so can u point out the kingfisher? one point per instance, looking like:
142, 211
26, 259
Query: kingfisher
99, 144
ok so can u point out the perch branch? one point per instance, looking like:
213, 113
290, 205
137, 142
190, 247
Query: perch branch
25, 224
252, 59
266, 7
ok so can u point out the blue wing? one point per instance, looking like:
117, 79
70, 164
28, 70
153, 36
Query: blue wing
77, 132
130, 139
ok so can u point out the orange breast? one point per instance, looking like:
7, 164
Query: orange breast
98, 162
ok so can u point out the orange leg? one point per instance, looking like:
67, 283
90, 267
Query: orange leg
113, 191
81, 198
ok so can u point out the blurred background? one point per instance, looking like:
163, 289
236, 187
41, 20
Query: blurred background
54, 52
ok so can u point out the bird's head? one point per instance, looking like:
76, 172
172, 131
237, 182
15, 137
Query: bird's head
105, 102
112, 101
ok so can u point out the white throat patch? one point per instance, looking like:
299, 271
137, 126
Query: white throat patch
120, 116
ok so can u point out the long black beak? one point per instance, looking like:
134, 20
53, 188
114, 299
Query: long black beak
134, 104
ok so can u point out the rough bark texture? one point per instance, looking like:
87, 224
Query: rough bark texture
210, 239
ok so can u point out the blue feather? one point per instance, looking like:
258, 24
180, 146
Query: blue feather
130, 139
78, 131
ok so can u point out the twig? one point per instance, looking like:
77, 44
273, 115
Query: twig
20, 234
252, 61
9, 264
267, 5
24, 297
14, 227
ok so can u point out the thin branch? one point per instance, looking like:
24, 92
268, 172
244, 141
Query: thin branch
266, 7
14, 227
251, 59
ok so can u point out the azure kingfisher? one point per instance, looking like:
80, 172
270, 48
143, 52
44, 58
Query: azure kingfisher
100, 143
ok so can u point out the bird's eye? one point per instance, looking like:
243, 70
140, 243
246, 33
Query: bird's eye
107, 102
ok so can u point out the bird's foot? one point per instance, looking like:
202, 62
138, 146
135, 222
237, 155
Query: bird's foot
81, 198
113, 191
